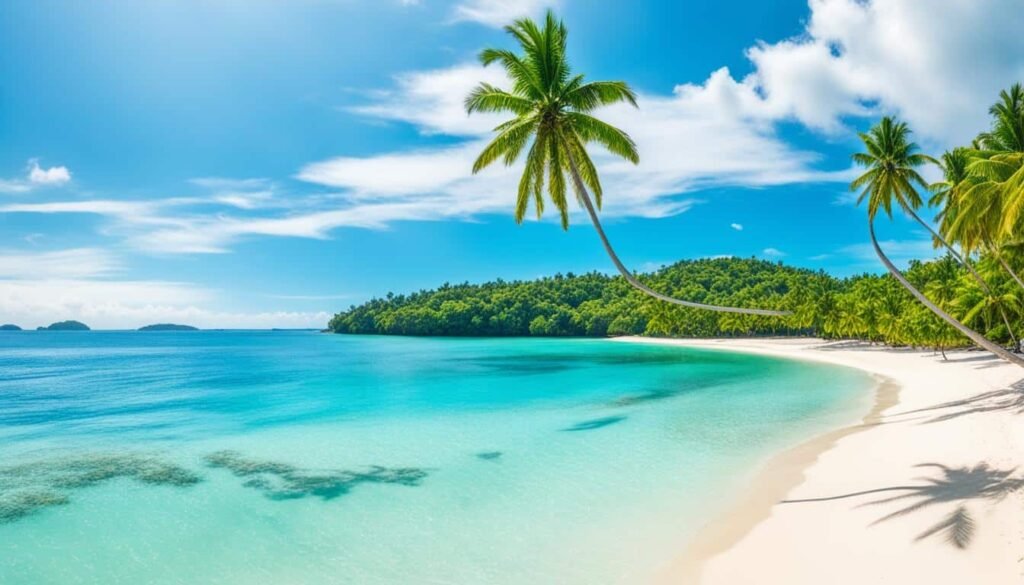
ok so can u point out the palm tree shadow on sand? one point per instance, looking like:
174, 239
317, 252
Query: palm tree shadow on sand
949, 486
1009, 399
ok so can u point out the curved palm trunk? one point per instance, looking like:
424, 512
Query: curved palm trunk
959, 258
970, 267
1006, 267
589, 205
1017, 279
970, 333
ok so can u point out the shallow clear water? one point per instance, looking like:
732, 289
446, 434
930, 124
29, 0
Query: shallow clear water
296, 457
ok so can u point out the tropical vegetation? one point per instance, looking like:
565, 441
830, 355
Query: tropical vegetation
552, 111
972, 294
979, 203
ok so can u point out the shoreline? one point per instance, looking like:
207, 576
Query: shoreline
761, 538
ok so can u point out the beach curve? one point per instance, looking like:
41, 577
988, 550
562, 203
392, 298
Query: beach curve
924, 489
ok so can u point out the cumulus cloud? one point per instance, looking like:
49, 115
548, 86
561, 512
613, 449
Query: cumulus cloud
939, 64
52, 176
36, 176
736, 226
498, 13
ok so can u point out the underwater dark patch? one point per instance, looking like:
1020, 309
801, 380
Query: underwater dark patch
651, 396
489, 455
597, 423
17, 505
281, 481
30, 487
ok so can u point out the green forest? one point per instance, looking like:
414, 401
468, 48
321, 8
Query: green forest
871, 307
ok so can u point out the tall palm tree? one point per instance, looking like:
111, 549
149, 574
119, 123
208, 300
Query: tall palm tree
552, 108
891, 161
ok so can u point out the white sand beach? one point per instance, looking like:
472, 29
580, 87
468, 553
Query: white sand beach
927, 489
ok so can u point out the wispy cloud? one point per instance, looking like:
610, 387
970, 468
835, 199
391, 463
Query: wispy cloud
500, 12
773, 252
131, 304
60, 264
688, 141
901, 252
736, 226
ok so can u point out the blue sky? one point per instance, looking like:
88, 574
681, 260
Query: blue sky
259, 163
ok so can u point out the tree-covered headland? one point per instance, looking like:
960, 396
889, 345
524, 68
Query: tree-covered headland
871, 307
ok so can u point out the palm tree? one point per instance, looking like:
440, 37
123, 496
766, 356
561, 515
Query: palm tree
995, 176
552, 108
891, 161
970, 217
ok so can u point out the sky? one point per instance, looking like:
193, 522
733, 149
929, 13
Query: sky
259, 163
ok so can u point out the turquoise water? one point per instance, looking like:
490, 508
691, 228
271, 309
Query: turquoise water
297, 457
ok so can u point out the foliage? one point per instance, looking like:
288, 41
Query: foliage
871, 307
552, 109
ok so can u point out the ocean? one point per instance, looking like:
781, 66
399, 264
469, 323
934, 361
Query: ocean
237, 457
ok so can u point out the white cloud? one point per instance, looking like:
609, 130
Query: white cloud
434, 100
939, 64
13, 186
736, 226
900, 252
854, 58
498, 13
773, 252
700, 136
38, 288
60, 264
131, 304
52, 176
36, 176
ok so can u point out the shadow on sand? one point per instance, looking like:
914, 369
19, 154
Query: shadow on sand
1010, 399
947, 487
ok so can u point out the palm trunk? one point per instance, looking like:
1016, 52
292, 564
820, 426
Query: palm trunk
974, 336
959, 258
970, 267
1006, 267
581, 189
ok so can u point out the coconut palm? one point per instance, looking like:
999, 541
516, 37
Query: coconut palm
971, 218
552, 109
891, 160
999, 163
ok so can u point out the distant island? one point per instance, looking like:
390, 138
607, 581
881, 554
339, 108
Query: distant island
9, 327
66, 326
168, 327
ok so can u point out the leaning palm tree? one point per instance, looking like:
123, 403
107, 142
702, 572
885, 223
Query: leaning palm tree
552, 109
891, 161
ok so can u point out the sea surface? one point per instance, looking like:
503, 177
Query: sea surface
291, 458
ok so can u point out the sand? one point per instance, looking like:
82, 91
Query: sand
926, 489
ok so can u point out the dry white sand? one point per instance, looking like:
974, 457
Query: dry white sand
927, 490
